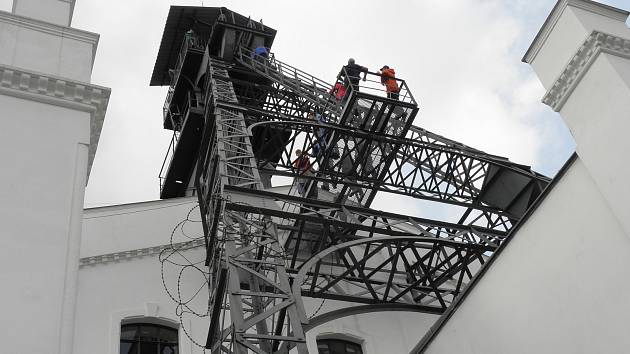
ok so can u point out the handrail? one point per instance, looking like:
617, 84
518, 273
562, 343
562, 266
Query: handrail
167, 102
315, 90
311, 87
320, 91
189, 42
374, 85
168, 157
177, 129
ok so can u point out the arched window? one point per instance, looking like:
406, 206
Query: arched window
147, 338
338, 346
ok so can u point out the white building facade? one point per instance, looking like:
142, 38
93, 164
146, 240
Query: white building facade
51, 121
559, 285
82, 279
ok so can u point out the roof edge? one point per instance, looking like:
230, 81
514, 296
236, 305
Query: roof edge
131, 205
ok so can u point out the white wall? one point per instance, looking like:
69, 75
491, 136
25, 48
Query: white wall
109, 293
558, 287
44, 153
568, 26
46, 48
58, 12
139, 225
583, 61
597, 113
50, 128
131, 286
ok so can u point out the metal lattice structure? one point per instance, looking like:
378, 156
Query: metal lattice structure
238, 118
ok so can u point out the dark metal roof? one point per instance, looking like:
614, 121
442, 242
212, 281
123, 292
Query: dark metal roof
179, 20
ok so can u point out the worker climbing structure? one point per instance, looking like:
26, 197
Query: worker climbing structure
274, 233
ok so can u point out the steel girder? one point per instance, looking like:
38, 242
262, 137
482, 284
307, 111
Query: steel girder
260, 244
349, 220
244, 254
425, 165
422, 271
446, 174
355, 254
265, 101
308, 87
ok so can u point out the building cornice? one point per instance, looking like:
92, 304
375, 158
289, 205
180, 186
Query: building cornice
556, 13
49, 89
596, 43
138, 253
52, 29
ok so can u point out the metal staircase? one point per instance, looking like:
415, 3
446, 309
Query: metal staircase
244, 255
335, 247
268, 250
421, 164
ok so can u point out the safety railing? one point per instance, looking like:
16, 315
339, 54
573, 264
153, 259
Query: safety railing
191, 101
166, 110
168, 158
325, 98
374, 83
377, 110
310, 189
191, 41
318, 91
290, 224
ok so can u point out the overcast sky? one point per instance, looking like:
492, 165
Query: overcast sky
460, 58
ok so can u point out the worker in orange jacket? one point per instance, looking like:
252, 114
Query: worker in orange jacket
388, 78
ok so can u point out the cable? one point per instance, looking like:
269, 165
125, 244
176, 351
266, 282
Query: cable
138, 211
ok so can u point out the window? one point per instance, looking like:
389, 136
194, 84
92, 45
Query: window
338, 346
146, 338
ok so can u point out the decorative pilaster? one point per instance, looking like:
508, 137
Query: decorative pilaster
595, 44
61, 92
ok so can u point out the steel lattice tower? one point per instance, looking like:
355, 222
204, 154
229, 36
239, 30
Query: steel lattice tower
236, 121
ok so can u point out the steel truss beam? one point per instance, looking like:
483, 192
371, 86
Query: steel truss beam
424, 165
387, 258
243, 249
264, 101
326, 237
358, 222
306, 86
439, 173
421, 271
266, 250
